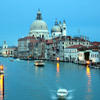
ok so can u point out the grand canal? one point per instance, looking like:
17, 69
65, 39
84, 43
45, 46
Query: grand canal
24, 81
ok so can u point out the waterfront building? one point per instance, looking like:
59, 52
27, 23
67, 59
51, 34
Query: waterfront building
56, 48
48, 50
7, 51
71, 53
39, 50
31, 47
38, 30
23, 46
39, 45
89, 55
69, 41
94, 56
60, 44
81, 57
95, 44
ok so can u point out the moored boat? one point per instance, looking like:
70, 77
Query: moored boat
17, 59
39, 63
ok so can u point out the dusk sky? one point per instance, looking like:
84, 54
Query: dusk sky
16, 16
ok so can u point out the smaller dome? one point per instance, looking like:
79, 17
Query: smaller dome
56, 28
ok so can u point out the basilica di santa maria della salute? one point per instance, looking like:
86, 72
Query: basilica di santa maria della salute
38, 44
39, 28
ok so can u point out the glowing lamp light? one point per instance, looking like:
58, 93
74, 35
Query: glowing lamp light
1, 67
57, 58
36, 64
88, 62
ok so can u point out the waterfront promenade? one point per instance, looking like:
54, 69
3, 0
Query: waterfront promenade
24, 81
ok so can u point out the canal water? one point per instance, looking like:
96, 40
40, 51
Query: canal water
24, 81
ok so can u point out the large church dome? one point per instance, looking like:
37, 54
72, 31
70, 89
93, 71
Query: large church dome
38, 25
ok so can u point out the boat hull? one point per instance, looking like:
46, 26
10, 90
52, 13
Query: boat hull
62, 94
39, 63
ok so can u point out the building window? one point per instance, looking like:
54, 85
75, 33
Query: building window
41, 26
11, 52
64, 28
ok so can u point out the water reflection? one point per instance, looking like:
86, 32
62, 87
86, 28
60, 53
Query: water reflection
1, 86
58, 70
38, 71
89, 78
89, 90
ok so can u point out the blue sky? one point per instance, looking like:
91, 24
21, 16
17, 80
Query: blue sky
16, 16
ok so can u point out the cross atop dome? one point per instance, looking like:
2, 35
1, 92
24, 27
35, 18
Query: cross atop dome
56, 22
39, 15
64, 21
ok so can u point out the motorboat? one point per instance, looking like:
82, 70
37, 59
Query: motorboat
39, 63
17, 59
62, 93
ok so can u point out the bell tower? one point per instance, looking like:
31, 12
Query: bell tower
5, 46
64, 28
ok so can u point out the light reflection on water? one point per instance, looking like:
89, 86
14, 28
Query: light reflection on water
89, 89
1, 86
58, 70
